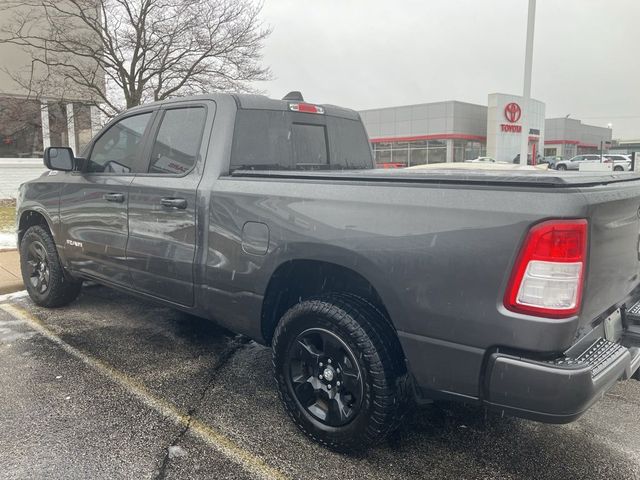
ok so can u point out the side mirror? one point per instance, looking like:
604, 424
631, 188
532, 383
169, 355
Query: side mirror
59, 158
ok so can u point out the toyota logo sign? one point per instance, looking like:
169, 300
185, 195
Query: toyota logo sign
512, 112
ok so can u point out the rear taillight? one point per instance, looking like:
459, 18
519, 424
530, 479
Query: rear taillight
547, 279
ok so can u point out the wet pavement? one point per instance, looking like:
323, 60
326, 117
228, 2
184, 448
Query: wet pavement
113, 387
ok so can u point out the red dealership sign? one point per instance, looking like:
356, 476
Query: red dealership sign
512, 112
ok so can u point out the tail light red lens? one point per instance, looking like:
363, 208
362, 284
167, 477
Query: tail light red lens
548, 277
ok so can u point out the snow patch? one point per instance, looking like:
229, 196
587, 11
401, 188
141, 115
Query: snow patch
175, 452
8, 240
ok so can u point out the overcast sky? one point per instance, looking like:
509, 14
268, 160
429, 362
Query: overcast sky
376, 53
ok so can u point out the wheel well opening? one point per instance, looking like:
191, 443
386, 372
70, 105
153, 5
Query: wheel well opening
29, 219
297, 280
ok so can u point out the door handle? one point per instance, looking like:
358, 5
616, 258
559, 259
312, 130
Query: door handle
179, 203
114, 197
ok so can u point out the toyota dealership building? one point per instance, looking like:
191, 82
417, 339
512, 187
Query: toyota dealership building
454, 131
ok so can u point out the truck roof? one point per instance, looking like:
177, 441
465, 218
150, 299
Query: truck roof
260, 102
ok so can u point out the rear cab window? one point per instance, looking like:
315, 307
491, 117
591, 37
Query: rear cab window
283, 140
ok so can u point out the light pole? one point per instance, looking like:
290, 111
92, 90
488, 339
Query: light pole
526, 91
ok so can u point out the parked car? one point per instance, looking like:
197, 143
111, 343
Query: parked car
620, 162
514, 289
552, 160
575, 162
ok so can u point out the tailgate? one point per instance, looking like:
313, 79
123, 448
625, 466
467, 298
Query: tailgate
614, 257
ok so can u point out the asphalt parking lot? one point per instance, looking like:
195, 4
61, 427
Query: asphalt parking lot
112, 387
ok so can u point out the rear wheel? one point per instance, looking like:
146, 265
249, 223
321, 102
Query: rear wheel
338, 372
46, 281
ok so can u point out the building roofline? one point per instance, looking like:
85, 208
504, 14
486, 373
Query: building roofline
422, 105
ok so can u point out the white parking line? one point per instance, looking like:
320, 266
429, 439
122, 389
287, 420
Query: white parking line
212, 436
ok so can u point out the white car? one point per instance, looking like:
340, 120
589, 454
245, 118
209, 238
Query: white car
575, 162
620, 162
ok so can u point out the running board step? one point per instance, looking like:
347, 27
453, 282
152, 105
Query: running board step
600, 355
633, 313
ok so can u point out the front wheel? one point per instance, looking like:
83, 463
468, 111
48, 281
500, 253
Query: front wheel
46, 281
618, 169
339, 367
561, 167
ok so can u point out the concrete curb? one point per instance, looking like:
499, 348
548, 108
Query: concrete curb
10, 275
11, 287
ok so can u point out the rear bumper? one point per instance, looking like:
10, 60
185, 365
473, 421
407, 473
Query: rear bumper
559, 391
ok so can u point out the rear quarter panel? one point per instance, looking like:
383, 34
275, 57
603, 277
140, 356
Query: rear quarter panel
438, 256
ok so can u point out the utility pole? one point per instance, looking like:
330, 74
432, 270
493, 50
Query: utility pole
526, 91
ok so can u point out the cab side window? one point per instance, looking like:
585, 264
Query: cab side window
117, 150
176, 147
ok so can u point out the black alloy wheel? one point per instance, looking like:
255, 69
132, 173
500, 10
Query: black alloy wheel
325, 376
340, 371
39, 271
46, 281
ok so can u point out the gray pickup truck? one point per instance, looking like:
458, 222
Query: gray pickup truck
376, 289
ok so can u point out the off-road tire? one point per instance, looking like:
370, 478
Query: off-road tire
61, 289
365, 330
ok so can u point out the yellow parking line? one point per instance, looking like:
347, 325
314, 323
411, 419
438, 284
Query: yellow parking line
214, 437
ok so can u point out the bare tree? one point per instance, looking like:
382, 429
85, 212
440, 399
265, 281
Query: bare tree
126, 52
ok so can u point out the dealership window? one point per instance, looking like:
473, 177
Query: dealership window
382, 156
400, 153
20, 128
27, 126
467, 150
418, 156
407, 154
437, 151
